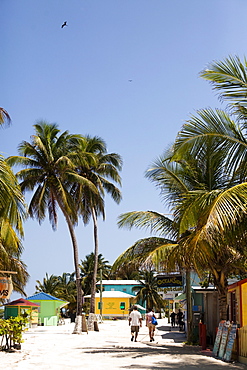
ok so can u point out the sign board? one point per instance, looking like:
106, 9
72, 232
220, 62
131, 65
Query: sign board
230, 342
6, 287
218, 338
164, 281
223, 341
168, 296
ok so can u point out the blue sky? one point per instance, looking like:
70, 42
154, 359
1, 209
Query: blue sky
79, 76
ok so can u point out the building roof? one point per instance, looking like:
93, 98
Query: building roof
237, 283
22, 302
200, 289
44, 297
120, 282
112, 294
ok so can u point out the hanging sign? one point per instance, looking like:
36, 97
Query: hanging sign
169, 281
6, 287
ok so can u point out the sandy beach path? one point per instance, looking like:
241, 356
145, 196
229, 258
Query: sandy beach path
57, 348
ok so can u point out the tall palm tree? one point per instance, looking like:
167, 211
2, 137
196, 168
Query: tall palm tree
100, 168
191, 186
12, 214
49, 172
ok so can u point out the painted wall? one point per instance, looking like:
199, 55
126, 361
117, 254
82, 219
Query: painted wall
244, 303
48, 309
120, 288
13, 311
240, 289
111, 306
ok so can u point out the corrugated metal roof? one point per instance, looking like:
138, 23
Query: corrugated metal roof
112, 294
43, 297
120, 282
22, 302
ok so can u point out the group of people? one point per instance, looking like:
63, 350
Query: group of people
135, 322
180, 321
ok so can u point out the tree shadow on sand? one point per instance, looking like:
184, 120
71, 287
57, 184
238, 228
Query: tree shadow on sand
174, 334
175, 357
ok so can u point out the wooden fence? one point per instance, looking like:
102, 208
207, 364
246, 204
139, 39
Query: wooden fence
242, 344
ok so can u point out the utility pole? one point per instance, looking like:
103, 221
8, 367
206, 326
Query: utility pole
101, 303
189, 307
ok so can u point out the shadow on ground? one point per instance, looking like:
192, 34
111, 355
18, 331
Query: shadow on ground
172, 333
173, 357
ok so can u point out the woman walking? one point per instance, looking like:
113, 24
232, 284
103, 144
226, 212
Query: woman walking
149, 324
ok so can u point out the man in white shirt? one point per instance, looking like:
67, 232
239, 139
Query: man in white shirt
135, 321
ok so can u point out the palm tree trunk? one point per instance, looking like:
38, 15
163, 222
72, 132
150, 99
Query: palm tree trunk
78, 323
96, 253
189, 307
221, 285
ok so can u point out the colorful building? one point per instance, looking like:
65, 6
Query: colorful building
49, 308
20, 307
125, 286
237, 301
114, 303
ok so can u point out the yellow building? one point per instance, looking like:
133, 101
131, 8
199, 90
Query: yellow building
237, 301
114, 303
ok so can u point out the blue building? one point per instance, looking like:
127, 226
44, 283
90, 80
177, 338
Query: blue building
125, 286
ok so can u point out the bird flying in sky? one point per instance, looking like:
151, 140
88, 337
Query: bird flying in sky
64, 24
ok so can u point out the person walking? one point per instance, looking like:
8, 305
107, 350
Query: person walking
173, 317
180, 317
149, 324
135, 322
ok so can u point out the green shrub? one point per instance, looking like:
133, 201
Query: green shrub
11, 331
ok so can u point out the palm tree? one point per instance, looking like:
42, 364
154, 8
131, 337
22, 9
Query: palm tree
87, 268
100, 168
49, 172
148, 291
49, 285
67, 290
227, 215
10, 256
191, 187
127, 271
4, 117
12, 214
62, 287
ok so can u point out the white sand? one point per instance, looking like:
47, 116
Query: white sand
109, 349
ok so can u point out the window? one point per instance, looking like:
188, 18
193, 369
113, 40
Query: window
122, 306
233, 307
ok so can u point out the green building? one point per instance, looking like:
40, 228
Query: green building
49, 308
